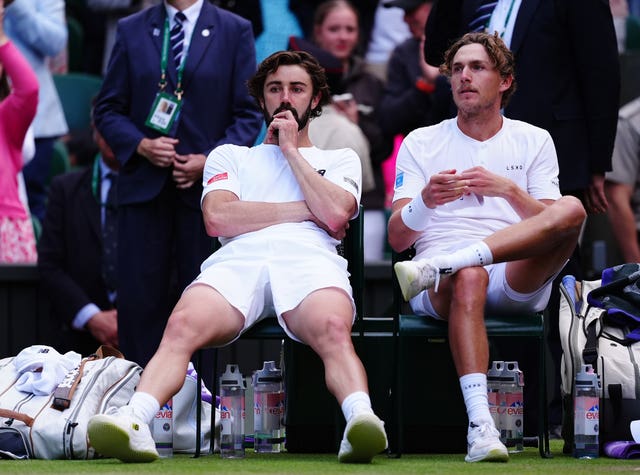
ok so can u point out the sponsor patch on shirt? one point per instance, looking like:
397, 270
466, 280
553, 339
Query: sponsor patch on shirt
351, 182
399, 179
218, 177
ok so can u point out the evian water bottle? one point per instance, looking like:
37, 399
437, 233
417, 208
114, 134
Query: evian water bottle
163, 430
232, 413
494, 392
268, 406
513, 402
586, 415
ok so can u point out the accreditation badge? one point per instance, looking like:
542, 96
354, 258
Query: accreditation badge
163, 113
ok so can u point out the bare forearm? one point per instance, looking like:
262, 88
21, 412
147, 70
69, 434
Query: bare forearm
523, 203
234, 218
329, 203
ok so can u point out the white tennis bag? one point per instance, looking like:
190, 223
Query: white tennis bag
55, 426
598, 326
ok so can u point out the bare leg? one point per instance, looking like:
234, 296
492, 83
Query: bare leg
202, 317
539, 246
323, 320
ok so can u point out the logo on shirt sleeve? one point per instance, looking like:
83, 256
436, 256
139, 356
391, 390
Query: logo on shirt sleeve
218, 177
399, 179
352, 182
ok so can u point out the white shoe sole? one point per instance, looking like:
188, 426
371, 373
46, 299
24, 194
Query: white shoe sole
494, 455
406, 275
367, 438
111, 440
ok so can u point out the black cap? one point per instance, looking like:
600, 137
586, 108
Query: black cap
406, 5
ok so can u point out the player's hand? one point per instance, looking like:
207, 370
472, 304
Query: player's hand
187, 169
443, 187
482, 182
159, 151
283, 129
338, 234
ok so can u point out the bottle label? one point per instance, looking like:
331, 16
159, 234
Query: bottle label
587, 415
268, 411
163, 426
514, 404
228, 413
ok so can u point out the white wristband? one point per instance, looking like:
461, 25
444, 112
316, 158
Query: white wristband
415, 215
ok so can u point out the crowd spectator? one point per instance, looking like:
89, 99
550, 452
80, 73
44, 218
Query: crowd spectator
18, 103
39, 30
356, 95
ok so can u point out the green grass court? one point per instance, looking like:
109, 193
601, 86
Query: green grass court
528, 461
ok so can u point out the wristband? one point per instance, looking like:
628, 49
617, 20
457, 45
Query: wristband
415, 215
423, 86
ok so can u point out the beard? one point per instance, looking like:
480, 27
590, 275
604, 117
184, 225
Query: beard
302, 121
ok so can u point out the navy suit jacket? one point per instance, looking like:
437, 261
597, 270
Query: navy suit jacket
567, 74
216, 108
70, 255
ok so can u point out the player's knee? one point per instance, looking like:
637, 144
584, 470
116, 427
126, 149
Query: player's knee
336, 332
572, 214
470, 281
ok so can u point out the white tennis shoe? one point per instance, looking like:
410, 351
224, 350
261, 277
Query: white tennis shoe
484, 444
119, 434
416, 276
364, 437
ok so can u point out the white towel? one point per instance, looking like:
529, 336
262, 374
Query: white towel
42, 368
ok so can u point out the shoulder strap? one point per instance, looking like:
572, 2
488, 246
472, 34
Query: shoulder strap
64, 392
9, 414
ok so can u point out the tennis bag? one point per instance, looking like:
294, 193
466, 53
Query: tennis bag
600, 325
55, 426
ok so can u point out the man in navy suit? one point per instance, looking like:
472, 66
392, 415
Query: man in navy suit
162, 116
70, 257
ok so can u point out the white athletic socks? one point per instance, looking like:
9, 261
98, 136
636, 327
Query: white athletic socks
474, 392
144, 406
356, 403
477, 254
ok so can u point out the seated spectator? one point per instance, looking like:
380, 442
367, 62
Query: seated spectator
388, 31
71, 255
478, 197
416, 94
18, 103
622, 184
297, 200
336, 33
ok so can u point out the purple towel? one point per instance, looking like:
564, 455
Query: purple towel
622, 449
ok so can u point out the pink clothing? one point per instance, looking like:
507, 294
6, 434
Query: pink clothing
17, 111
17, 241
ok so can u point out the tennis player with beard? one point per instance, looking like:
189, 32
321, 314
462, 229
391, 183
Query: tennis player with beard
279, 210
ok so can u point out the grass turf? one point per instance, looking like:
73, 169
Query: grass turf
526, 462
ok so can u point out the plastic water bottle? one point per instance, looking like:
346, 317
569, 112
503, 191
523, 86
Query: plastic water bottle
268, 407
586, 415
232, 413
495, 393
163, 430
512, 432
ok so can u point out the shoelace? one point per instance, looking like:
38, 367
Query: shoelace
425, 277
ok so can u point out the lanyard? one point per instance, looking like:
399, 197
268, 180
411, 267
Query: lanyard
164, 61
506, 21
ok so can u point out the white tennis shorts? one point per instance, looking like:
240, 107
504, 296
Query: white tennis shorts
260, 278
